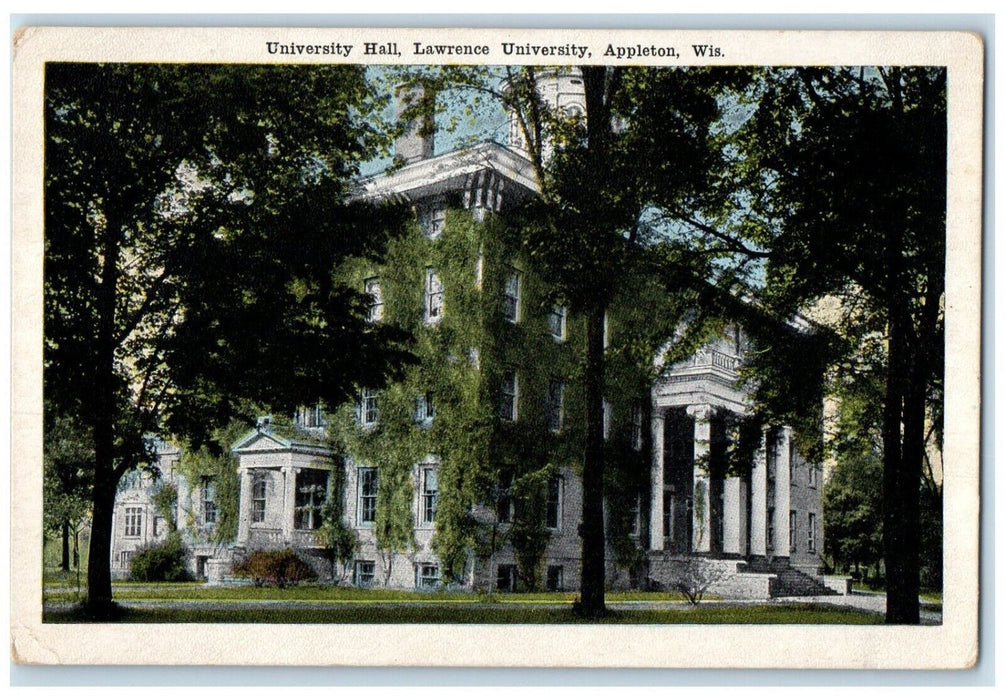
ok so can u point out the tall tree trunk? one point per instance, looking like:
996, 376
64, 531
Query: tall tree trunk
591, 528
64, 561
99, 575
900, 485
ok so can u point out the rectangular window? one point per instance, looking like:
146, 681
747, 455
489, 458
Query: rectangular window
606, 418
134, 522
158, 525
363, 572
811, 533
372, 288
770, 534
432, 221
258, 491
556, 578
368, 408
125, 559
793, 524
429, 491
427, 576
636, 427
553, 413
811, 475
511, 298
208, 501
310, 416
556, 322
553, 506
367, 506
508, 397
504, 499
506, 578
425, 409
312, 492
792, 463
434, 297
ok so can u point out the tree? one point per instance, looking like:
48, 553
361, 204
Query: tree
641, 149
192, 217
843, 181
67, 459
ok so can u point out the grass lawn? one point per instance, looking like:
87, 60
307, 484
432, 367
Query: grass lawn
389, 613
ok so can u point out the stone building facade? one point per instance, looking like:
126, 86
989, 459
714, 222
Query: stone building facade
761, 527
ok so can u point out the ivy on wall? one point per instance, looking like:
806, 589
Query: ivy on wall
463, 359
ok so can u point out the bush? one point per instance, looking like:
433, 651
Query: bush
161, 562
276, 568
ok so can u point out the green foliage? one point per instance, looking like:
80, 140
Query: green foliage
214, 462
280, 568
165, 501
67, 459
161, 562
853, 511
337, 539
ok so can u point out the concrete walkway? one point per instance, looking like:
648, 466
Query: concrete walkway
931, 614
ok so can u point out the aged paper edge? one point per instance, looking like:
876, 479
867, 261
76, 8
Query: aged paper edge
950, 645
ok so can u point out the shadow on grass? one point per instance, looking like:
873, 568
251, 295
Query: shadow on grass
472, 614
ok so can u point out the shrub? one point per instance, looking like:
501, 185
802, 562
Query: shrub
277, 568
161, 562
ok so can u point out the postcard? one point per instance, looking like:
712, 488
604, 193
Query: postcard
496, 347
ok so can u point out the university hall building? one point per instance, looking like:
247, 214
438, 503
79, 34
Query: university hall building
465, 472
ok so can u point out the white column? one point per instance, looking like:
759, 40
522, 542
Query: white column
656, 482
759, 502
702, 504
734, 517
782, 493
245, 508
289, 499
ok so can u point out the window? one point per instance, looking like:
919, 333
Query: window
310, 416
134, 522
258, 490
427, 503
556, 578
504, 500
556, 322
508, 397
606, 417
362, 574
811, 474
793, 524
479, 268
372, 288
425, 409
432, 221
636, 427
553, 506
511, 298
506, 578
770, 534
434, 297
553, 411
368, 408
312, 492
158, 525
367, 506
208, 501
792, 463
427, 576
811, 533
125, 559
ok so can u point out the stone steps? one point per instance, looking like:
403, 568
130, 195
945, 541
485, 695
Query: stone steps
792, 582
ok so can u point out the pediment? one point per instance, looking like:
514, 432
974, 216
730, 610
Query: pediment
257, 441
